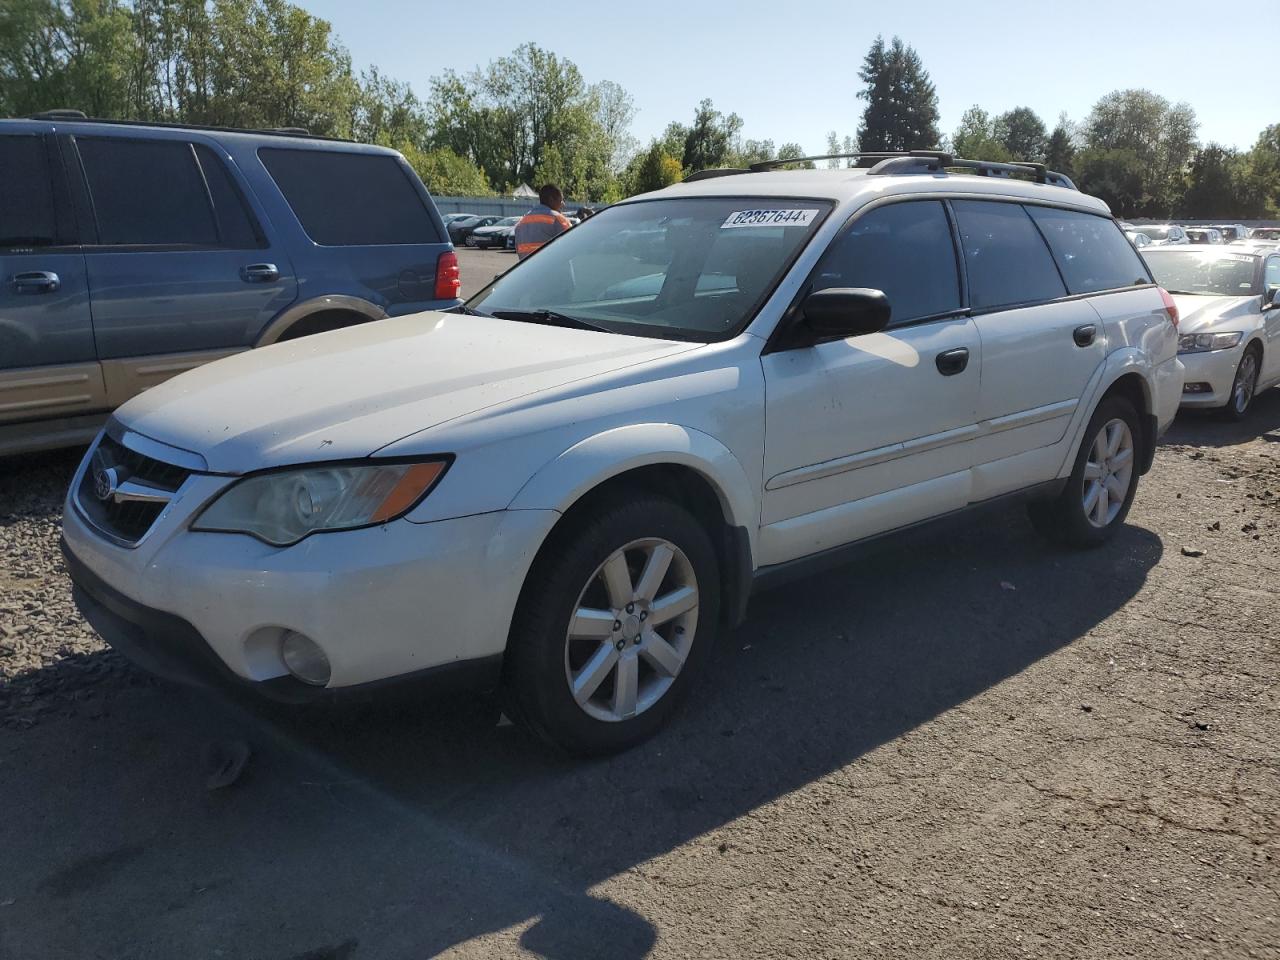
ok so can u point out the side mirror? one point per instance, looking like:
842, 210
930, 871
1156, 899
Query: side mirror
840, 312
1272, 300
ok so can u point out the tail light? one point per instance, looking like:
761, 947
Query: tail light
1170, 307
449, 277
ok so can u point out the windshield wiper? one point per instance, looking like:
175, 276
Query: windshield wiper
469, 311
1190, 293
550, 318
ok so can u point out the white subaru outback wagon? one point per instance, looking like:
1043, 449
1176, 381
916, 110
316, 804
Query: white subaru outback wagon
571, 484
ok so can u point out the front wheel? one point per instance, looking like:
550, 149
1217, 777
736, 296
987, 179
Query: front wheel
614, 623
1098, 494
1244, 386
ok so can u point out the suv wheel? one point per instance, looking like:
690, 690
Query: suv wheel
1245, 384
1103, 482
614, 623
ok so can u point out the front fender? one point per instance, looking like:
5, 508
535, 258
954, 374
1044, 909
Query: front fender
590, 462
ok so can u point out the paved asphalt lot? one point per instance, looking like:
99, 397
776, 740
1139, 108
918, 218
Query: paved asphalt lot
480, 266
968, 744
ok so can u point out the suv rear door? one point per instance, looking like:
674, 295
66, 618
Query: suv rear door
368, 227
48, 368
1040, 347
181, 269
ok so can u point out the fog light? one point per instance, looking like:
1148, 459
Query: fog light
305, 659
1197, 388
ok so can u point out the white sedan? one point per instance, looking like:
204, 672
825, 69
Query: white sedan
1229, 301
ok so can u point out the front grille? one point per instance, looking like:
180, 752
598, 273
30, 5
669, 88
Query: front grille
126, 520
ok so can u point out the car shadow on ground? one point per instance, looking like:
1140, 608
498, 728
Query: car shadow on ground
404, 829
1195, 428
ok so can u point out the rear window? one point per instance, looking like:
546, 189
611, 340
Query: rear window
351, 199
26, 194
1007, 259
147, 192
1090, 251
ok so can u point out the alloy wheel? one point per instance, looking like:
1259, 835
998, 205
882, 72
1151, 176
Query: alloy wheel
1108, 473
631, 630
1246, 382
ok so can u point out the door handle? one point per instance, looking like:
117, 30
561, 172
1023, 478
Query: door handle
259, 273
951, 362
36, 281
1084, 335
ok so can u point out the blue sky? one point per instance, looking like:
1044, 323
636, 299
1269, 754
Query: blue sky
789, 67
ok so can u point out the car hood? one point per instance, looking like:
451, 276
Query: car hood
1197, 314
346, 394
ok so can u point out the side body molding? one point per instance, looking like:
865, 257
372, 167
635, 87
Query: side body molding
590, 462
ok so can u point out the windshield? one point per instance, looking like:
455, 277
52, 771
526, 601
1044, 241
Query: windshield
1155, 233
688, 268
1265, 233
1207, 272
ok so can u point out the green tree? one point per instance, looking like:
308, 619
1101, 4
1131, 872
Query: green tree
654, 169
976, 139
902, 104
1022, 134
1161, 135
836, 145
710, 140
1226, 183
1060, 151
1115, 175
445, 173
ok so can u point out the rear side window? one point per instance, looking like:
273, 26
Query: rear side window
1272, 278
350, 199
1090, 251
236, 226
1006, 257
147, 192
26, 194
903, 249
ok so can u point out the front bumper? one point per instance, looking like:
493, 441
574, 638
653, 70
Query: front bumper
385, 602
1217, 368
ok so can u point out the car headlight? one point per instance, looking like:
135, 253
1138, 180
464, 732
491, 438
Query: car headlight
283, 507
1202, 342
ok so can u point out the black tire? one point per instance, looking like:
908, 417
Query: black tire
1063, 519
1241, 399
535, 681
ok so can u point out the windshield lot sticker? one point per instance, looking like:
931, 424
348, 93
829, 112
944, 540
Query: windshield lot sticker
769, 218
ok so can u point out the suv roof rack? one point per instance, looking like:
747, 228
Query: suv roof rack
78, 116
907, 161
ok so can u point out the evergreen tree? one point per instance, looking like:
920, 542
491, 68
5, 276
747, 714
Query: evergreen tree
1060, 152
902, 104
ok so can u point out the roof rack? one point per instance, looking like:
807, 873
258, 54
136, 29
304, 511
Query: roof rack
905, 162
78, 116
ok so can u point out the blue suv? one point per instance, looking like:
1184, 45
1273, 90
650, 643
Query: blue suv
131, 252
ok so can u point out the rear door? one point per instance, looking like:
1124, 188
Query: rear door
48, 367
874, 432
1039, 347
181, 271
371, 229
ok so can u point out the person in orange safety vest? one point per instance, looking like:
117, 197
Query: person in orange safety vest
544, 222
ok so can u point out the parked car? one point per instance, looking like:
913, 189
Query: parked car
1264, 233
130, 253
460, 230
1202, 236
1163, 234
1138, 239
498, 234
572, 488
1231, 232
451, 217
1230, 326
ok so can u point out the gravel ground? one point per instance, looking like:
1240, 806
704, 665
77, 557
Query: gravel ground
968, 744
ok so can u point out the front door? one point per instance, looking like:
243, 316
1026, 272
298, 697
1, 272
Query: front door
182, 272
870, 433
1270, 372
48, 367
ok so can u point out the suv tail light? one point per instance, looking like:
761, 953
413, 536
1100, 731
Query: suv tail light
1170, 307
449, 277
